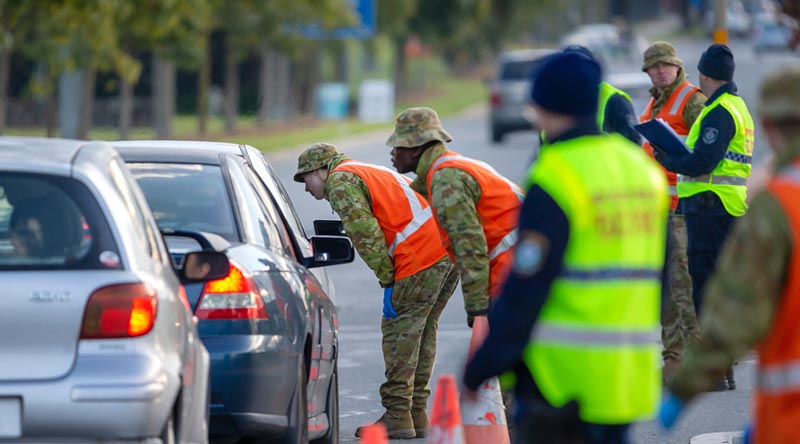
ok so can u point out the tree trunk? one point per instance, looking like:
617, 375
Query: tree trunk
5, 69
203, 88
125, 108
340, 61
231, 87
310, 80
400, 68
163, 97
50, 105
265, 63
283, 105
87, 102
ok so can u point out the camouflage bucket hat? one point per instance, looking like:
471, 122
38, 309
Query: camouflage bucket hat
417, 126
780, 95
661, 52
314, 157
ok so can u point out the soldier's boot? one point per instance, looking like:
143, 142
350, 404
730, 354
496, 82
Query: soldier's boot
398, 425
420, 419
729, 379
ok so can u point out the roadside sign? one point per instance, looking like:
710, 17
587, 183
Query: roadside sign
365, 12
376, 101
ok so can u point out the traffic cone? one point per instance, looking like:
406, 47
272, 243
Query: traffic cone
485, 417
445, 427
374, 434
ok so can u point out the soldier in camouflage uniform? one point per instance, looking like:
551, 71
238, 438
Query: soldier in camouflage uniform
417, 142
665, 69
416, 301
743, 297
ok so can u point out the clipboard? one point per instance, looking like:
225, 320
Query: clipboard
663, 137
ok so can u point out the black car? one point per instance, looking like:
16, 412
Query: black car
270, 326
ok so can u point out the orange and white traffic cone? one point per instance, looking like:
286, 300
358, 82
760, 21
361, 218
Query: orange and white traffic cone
374, 434
445, 426
484, 417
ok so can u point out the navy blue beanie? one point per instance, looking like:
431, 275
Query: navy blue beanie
567, 83
580, 49
717, 62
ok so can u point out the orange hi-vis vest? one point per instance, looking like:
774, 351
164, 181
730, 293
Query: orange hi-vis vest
672, 114
777, 399
498, 209
405, 218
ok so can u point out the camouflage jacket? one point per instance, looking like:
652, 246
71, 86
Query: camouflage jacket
350, 199
743, 294
693, 107
454, 194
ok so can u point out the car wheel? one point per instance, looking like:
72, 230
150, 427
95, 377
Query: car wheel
497, 135
168, 434
332, 411
297, 432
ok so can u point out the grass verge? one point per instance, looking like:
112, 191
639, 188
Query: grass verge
449, 97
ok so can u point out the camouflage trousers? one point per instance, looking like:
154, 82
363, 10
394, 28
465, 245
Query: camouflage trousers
409, 340
680, 321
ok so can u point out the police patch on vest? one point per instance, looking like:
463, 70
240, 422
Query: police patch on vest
530, 253
710, 135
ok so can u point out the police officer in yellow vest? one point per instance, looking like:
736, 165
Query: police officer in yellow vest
712, 181
578, 318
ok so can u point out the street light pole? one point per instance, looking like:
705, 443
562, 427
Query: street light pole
720, 25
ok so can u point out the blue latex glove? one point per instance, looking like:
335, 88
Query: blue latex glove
671, 408
388, 310
748, 434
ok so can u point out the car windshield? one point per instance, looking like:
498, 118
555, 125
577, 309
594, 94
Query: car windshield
189, 197
618, 58
49, 222
518, 69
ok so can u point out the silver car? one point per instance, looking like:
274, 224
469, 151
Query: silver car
510, 91
97, 342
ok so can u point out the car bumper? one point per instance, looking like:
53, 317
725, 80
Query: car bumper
103, 398
511, 117
252, 383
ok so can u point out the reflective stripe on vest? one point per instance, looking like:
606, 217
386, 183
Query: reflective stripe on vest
729, 178
419, 215
516, 189
548, 332
777, 379
602, 311
605, 274
505, 244
678, 104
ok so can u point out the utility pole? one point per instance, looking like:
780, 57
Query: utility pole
720, 22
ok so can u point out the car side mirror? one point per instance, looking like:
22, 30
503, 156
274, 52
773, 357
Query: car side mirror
203, 266
330, 250
329, 228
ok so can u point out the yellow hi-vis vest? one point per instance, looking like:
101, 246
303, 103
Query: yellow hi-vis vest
596, 339
729, 178
606, 91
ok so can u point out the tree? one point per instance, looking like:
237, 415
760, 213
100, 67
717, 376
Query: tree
393, 20
16, 16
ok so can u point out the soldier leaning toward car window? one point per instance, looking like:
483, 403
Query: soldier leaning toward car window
394, 232
753, 298
475, 206
712, 185
678, 102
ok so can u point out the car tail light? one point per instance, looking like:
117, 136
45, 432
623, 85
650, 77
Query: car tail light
232, 297
119, 311
495, 99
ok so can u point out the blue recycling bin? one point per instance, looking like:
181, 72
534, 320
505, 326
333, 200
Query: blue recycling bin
332, 101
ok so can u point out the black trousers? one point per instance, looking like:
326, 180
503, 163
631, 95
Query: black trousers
706, 235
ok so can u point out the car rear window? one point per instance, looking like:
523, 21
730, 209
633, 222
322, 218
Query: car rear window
519, 69
187, 197
52, 222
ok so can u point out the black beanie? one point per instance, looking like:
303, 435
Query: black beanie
717, 62
567, 83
